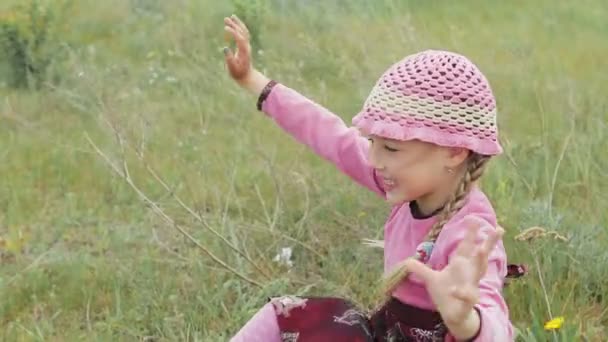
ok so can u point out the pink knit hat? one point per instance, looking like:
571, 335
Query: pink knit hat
435, 96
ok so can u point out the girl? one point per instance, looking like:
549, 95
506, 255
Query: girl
430, 123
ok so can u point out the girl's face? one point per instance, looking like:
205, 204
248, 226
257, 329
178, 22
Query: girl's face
412, 170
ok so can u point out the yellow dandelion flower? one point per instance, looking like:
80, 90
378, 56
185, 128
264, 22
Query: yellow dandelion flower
555, 323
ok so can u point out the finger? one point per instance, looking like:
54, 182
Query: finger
466, 295
489, 244
235, 25
241, 42
492, 240
467, 246
231, 63
228, 37
244, 49
232, 31
236, 28
240, 23
483, 252
421, 270
229, 55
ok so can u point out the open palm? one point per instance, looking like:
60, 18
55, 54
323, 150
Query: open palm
239, 62
455, 289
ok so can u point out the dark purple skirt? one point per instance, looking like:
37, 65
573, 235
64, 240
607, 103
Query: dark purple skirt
318, 319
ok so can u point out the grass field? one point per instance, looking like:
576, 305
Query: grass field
84, 257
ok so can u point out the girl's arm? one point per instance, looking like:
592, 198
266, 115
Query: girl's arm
324, 132
309, 123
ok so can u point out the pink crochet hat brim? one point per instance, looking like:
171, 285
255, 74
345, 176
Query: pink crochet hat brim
437, 97
419, 129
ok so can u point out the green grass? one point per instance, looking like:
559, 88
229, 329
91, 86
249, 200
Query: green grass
87, 259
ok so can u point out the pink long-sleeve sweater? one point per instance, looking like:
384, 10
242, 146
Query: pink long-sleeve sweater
328, 136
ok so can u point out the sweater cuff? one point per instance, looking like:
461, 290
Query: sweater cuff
264, 94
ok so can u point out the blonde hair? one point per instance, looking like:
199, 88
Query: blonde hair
476, 164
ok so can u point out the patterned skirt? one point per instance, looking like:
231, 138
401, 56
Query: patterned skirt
319, 319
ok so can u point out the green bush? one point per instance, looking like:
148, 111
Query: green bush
252, 14
29, 45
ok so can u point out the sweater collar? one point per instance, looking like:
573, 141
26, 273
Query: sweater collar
417, 213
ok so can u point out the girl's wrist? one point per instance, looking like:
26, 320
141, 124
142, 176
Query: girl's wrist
254, 82
468, 329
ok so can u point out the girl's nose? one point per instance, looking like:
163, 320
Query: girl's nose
373, 159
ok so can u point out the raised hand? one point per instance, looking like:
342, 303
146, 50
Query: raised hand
455, 289
239, 62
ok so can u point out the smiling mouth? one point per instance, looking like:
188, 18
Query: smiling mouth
389, 183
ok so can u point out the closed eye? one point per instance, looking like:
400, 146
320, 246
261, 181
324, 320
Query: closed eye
386, 147
390, 149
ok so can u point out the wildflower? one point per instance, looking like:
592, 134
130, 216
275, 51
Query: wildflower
284, 257
555, 323
533, 233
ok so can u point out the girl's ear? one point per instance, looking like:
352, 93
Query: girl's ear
456, 156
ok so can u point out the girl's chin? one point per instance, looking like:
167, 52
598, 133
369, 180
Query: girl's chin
395, 196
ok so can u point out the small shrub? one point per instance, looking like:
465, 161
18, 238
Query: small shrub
251, 12
29, 44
